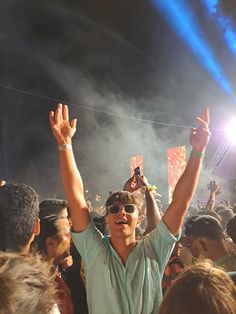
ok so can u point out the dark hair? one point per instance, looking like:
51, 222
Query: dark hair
220, 207
208, 212
19, 210
51, 206
226, 214
188, 224
124, 197
203, 289
231, 228
27, 285
206, 227
48, 228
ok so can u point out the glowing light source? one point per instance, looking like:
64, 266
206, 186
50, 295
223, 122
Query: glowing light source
181, 18
230, 131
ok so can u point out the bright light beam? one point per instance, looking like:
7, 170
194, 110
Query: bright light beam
181, 18
230, 131
223, 22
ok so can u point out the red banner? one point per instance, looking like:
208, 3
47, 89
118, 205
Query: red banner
176, 165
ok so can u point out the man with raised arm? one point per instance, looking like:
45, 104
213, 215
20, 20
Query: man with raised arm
123, 275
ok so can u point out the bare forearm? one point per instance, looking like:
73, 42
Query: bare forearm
187, 183
211, 202
153, 213
183, 194
63, 130
186, 186
72, 182
74, 190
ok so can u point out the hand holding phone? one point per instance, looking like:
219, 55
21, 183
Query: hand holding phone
137, 171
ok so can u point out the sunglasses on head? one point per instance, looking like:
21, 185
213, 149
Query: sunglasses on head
114, 209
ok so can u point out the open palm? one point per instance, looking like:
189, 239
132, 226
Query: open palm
62, 128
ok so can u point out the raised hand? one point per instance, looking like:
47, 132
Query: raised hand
142, 181
66, 262
62, 128
139, 182
128, 186
215, 188
200, 136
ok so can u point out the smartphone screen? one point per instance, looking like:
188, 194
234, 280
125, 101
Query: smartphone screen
136, 162
137, 171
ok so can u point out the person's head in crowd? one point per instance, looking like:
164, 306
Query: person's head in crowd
19, 212
124, 197
225, 214
177, 249
208, 236
55, 207
26, 284
231, 228
187, 239
220, 207
203, 289
123, 207
55, 238
212, 213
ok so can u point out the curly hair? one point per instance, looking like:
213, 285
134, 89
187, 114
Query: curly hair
19, 209
27, 285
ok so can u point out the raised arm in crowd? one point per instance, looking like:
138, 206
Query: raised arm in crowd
64, 130
123, 275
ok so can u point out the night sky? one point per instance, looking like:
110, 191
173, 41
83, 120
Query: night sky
123, 70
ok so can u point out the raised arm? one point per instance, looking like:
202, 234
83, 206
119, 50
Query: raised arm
63, 131
152, 212
187, 183
214, 190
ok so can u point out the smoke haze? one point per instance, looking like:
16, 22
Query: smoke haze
122, 70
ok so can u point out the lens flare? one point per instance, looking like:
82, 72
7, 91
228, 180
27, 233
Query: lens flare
230, 131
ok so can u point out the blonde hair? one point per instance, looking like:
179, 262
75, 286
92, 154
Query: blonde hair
26, 284
203, 289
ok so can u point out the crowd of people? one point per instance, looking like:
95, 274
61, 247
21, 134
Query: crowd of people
63, 256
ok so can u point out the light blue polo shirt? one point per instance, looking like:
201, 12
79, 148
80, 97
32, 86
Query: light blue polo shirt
135, 288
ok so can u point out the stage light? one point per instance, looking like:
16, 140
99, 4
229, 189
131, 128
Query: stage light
224, 22
183, 21
230, 131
